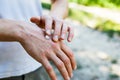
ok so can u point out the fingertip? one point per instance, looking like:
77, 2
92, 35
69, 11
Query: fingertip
70, 37
47, 37
71, 75
75, 67
55, 38
34, 19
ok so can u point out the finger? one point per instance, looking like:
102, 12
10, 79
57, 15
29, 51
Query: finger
49, 69
35, 19
70, 54
66, 62
38, 21
64, 31
61, 67
48, 25
58, 26
70, 34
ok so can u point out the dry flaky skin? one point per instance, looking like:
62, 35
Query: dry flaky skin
47, 49
33, 40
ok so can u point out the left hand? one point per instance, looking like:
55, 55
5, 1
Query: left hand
60, 27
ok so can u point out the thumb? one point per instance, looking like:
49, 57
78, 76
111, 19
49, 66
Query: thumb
35, 20
38, 21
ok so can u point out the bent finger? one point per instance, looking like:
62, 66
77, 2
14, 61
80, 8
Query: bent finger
70, 34
64, 31
57, 30
48, 25
38, 21
35, 20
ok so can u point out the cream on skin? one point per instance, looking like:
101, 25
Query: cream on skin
57, 51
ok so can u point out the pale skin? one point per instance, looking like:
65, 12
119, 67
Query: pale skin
54, 20
32, 38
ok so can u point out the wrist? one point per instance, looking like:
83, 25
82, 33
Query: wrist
19, 31
26, 31
9, 30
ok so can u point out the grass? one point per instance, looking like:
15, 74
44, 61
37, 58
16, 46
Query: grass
79, 15
101, 3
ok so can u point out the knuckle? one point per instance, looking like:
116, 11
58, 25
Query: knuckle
60, 64
42, 54
57, 29
71, 55
46, 51
49, 68
57, 34
67, 61
54, 45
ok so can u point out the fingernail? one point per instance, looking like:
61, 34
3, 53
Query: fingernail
68, 78
56, 38
63, 36
47, 37
75, 68
48, 32
71, 75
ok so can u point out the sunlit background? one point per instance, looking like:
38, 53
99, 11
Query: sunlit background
97, 38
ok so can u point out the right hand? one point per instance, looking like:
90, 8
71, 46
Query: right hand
43, 50
60, 27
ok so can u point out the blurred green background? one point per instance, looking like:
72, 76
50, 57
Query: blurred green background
100, 3
89, 19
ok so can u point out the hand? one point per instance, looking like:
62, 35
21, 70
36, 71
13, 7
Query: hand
60, 27
43, 50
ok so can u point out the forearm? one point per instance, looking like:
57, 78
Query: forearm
59, 8
9, 30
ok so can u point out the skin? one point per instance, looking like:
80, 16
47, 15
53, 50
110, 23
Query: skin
32, 38
59, 10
